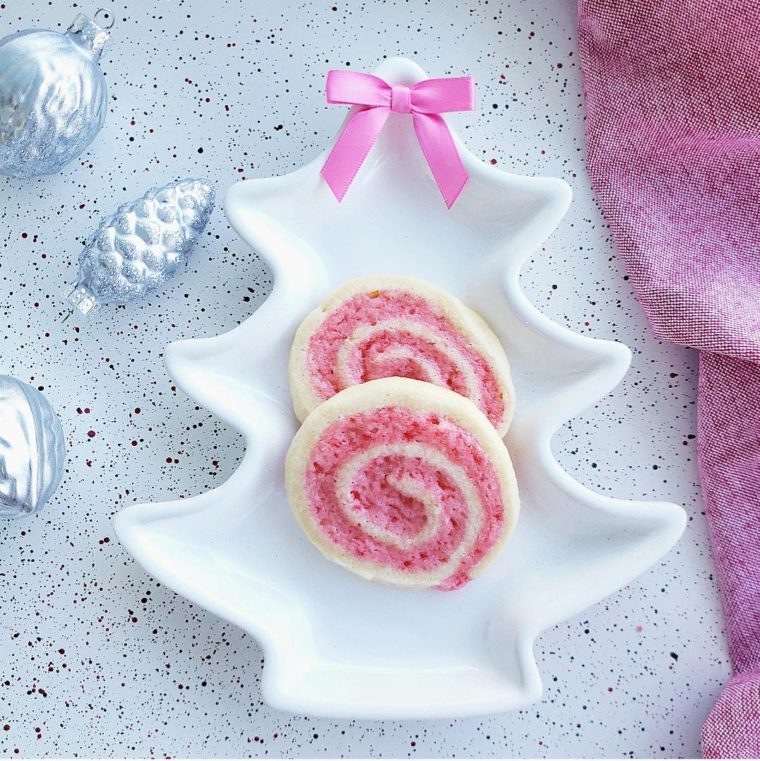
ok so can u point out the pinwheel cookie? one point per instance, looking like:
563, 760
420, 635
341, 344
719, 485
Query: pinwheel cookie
382, 326
402, 482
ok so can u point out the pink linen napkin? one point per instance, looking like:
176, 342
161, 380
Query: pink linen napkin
672, 93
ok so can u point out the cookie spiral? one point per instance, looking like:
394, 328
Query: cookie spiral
402, 482
386, 326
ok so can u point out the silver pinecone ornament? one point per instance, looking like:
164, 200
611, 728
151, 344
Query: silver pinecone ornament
142, 244
53, 97
32, 454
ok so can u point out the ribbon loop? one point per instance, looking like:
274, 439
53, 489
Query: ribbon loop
357, 88
439, 96
425, 101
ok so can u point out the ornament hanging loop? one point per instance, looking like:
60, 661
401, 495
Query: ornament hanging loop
104, 18
88, 34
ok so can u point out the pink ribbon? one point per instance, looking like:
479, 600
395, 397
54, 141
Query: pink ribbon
425, 101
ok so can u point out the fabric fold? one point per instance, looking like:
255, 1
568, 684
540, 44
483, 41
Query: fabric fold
672, 92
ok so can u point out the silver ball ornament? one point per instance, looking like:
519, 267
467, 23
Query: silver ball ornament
32, 450
53, 97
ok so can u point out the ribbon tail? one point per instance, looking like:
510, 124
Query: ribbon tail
352, 147
441, 155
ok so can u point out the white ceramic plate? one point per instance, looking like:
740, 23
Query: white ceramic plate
337, 645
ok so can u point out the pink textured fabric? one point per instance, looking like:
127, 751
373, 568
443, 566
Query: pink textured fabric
673, 151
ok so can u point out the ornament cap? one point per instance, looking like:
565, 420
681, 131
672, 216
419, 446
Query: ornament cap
88, 35
82, 299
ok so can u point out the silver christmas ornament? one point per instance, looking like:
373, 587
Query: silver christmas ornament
53, 97
31, 449
142, 244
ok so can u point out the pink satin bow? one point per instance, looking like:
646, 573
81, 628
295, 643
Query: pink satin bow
425, 101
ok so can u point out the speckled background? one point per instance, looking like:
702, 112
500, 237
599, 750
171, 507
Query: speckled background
96, 658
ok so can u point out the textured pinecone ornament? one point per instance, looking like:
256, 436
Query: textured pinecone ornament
142, 244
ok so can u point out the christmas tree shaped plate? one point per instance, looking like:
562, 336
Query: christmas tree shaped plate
335, 644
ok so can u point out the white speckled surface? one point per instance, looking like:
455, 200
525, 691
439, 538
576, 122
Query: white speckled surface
95, 657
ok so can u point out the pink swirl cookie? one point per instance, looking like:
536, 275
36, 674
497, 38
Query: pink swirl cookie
383, 326
402, 482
